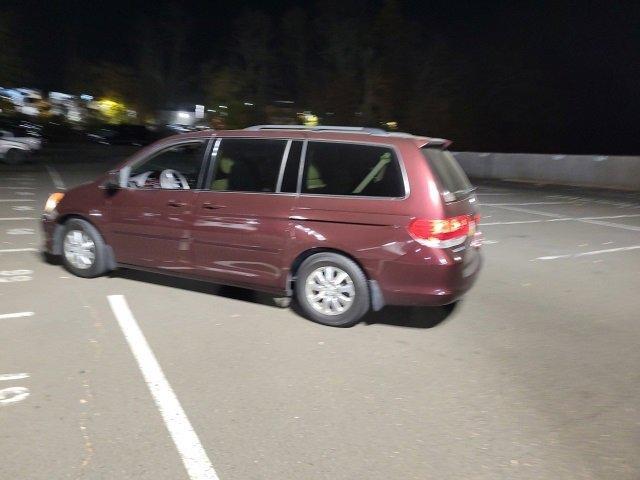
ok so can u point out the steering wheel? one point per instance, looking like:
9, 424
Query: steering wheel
173, 180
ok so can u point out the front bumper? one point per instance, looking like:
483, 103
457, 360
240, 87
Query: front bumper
52, 235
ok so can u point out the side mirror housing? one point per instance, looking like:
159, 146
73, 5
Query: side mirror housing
113, 180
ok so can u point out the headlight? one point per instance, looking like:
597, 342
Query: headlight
52, 202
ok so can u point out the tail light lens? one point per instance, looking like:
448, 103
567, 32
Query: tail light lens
443, 233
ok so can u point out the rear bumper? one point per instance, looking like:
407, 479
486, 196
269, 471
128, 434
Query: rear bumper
429, 277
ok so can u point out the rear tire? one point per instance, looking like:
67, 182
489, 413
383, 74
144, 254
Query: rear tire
332, 290
84, 252
15, 156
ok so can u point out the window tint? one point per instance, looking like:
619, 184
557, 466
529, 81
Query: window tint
244, 165
448, 171
290, 178
175, 168
350, 169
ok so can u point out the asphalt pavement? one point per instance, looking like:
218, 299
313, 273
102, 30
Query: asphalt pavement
534, 375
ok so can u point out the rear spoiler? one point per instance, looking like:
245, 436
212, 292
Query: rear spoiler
422, 142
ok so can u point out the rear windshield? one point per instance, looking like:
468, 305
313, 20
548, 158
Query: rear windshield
447, 170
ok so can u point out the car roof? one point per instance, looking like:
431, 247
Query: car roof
344, 134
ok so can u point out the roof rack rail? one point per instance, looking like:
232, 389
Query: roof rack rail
321, 128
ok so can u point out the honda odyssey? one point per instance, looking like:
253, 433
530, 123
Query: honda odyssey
342, 219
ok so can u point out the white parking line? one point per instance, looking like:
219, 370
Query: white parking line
13, 395
13, 376
613, 225
16, 315
8, 219
586, 254
482, 194
55, 177
520, 222
577, 219
524, 204
17, 200
184, 437
19, 188
526, 210
17, 250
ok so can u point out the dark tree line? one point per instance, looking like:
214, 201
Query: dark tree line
501, 76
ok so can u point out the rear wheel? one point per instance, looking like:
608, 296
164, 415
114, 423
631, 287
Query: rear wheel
15, 156
83, 249
332, 289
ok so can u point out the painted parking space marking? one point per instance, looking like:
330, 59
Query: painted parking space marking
13, 395
17, 188
482, 194
8, 200
4, 316
10, 219
577, 219
55, 177
526, 210
21, 231
524, 204
612, 225
12, 376
25, 194
23, 208
186, 440
588, 254
18, 250
10, 276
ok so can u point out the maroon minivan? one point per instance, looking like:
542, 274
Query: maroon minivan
343, 219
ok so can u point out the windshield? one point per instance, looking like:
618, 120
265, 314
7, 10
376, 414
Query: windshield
449, 173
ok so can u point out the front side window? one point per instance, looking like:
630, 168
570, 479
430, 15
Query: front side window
248, 165
351, 169
174, 168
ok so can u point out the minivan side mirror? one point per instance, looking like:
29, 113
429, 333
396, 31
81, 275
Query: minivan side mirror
112, 182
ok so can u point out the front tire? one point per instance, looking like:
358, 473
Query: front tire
84, 252
332, 290
15, 156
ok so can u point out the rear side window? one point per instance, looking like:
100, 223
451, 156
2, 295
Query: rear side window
248, 165
450, 174
351, 169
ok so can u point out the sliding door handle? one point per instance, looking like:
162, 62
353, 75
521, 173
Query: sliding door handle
175, 204
211, 206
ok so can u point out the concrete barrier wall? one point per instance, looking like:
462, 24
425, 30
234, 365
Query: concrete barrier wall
581, 170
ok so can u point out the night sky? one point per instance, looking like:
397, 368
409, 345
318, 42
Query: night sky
589, 51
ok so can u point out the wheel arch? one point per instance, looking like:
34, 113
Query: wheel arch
377, 300
59, 230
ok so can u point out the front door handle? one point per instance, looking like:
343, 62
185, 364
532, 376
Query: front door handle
211, 206
173, 203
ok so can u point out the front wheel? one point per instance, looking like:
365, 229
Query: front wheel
15, 156
83, 250
332, 290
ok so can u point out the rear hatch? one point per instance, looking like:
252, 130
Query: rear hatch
458, 226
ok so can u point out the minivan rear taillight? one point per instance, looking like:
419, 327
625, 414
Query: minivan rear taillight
443, 233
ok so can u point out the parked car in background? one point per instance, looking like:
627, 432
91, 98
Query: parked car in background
137, 135
343, 219
19, 140
12, 151
31, 138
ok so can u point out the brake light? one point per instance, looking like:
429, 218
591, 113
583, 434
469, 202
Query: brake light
443, 233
